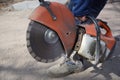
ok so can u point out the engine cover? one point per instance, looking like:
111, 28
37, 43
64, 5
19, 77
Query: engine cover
88, 46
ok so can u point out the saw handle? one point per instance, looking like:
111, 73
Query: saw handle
105, 27
98, 45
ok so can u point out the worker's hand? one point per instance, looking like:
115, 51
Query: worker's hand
83, 18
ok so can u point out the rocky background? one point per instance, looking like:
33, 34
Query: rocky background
5, 3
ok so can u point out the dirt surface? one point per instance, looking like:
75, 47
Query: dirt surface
6, 3
17, 64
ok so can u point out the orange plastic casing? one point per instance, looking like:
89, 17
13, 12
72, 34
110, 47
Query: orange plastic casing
106, 37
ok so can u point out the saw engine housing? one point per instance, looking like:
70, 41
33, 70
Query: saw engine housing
88, 47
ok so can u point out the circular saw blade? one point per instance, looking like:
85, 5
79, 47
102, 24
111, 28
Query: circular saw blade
41, 45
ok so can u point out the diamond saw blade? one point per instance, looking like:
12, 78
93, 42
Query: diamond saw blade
43, 43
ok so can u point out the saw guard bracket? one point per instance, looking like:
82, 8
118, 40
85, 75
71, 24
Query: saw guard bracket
64, 25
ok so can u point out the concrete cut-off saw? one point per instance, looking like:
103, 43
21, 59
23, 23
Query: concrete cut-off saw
52, 33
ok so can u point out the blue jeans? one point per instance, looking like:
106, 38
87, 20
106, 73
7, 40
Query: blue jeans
86, 7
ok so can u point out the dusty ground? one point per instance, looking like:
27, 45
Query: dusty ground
17, 64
